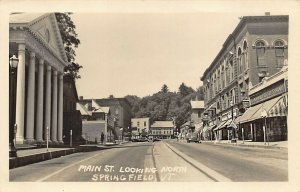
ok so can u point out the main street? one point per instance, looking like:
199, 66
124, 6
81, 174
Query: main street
161, 161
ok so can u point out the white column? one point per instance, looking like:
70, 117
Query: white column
40, 103
20, 100
54, 108
60, 109
30, 99
47, 102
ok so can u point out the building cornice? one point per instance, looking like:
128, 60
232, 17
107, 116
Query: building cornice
232, 37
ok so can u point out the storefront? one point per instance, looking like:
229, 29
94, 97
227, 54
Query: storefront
266, 119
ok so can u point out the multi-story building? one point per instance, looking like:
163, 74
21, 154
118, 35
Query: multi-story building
162, 129
256, 49
140, 126
36, 41
197, 109
266, 119
118, 110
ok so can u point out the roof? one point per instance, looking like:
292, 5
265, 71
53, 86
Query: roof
24, 17
82, 109
162, 124
99, 108
197, 104
38, 24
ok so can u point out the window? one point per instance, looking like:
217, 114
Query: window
240, 60
260, 53
279, 52
199, 114
145, 123
138, 123
245, 50
231, 69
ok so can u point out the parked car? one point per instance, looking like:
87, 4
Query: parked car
193, 137
143, 139
156, 139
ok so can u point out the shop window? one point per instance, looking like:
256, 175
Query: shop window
279, 52
260, 53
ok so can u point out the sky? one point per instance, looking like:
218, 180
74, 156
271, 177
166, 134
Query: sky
136, 53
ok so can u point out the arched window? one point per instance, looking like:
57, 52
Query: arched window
279, 52
245, 50
260, 52
240, 60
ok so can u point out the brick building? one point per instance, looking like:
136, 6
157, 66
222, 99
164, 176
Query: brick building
255, 50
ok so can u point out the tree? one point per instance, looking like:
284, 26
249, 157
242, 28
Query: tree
164, 89
185, 90
111, 96
70, 41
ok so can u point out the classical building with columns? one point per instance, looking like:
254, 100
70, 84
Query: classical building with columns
35, 39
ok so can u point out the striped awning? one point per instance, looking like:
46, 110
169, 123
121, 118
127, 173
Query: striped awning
274, 107
249, 113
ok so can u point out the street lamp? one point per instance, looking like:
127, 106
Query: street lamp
13, 62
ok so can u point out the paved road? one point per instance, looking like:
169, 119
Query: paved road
131, 162
239, 163
161, 161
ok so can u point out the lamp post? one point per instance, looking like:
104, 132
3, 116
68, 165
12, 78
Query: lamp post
13, 62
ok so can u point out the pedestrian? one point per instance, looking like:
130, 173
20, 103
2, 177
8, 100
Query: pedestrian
102, 137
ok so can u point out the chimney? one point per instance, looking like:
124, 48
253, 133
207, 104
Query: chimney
267, 13
80, 98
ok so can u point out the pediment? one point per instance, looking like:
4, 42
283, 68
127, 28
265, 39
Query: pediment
45, 28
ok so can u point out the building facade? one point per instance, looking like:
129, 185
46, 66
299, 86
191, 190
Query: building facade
35, 39
72, 116
140, 126
256, 49
266, 119
119, 116
162, 130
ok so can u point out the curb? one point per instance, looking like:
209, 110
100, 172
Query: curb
215, 176
38, 157
243, 145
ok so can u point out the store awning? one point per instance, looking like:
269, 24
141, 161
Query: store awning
231, 124
198, 127
270, 106
237, 120
249, 113
273, 107
211, 127
220, 126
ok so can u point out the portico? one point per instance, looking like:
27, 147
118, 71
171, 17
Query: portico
35, 39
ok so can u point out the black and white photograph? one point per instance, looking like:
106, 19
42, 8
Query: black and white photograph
150, 95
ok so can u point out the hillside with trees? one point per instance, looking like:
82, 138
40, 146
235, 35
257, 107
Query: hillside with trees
166, 105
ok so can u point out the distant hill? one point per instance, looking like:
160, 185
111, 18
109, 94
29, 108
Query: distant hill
165, 105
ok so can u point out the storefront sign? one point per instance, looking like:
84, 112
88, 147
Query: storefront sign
267, 94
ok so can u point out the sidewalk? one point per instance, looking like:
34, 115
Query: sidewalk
34, 155
247, 143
